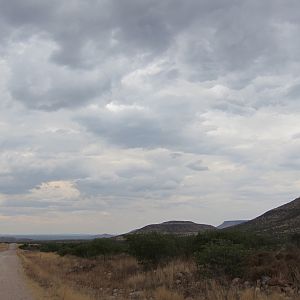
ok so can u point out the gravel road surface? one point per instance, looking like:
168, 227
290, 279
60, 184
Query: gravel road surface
12, 285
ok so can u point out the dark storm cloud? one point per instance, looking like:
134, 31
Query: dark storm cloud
210, 38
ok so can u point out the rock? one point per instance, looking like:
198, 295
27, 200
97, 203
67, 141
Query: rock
247, 285
179, 275
265, 279
236, 281
136, 295
178, 281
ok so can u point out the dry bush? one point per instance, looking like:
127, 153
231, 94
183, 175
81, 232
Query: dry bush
164, 294
120, 277
282, 265
3, 246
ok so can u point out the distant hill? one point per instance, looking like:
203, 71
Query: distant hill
227, 224
282, 220
175, 227
50, 237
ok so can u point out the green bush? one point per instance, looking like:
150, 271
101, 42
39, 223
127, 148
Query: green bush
152, 249
295, 239
90, 249
225, 252
30, 247
49, 247
222, 257
247, 240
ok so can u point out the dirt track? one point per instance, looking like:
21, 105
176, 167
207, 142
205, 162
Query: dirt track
12, 285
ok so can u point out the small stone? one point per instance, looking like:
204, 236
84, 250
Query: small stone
236, 281
265, 279
136, 295
179, 275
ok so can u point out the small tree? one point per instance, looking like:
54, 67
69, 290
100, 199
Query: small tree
221, 258
152, 248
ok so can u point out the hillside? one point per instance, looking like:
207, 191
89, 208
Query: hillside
175, 227
282, 220
227, 224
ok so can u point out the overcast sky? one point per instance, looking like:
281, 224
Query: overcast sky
119, 113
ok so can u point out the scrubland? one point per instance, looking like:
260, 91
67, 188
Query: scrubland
147, 269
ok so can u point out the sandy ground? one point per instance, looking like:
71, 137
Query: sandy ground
12, 284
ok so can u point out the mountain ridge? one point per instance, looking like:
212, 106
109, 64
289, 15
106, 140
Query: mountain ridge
174, 227
284, 219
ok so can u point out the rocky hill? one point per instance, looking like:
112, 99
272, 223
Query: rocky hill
227, 224
175, 227
282, 220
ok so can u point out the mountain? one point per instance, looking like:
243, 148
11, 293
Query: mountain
282, 220
227, 224
175, 227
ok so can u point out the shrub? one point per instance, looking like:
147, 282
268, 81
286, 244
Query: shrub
94, 248
152, 249
89, 249
225, 252
224, 257
49, 247
248, 240
295, 239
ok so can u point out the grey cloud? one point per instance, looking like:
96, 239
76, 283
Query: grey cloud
123, 97
294, 92
132, 128
296, 136
45, 87
197, 166
24, 175
206, 40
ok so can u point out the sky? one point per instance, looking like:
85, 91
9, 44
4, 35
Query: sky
119, 113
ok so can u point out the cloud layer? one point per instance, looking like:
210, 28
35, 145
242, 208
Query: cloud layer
118, 113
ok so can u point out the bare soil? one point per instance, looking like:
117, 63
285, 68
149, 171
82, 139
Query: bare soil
12, 283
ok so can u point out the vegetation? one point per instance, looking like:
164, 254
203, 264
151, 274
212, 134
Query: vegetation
121, 277
223, 258
154, 248
246, 263
216, 253
91, 249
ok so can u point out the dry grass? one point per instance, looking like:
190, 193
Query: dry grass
121, 278
3, 246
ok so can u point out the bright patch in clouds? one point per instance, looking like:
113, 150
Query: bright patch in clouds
55, 190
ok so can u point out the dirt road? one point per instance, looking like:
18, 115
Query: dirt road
12, 285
